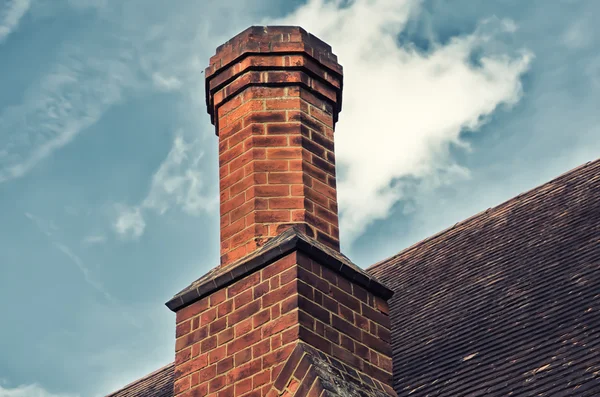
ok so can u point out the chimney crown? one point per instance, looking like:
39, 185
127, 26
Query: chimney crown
274, 95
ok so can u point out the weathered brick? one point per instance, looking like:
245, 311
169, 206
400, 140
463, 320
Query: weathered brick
183, 328
243, 341
192, 310
244, 371
242, 357
244, 312
224, 365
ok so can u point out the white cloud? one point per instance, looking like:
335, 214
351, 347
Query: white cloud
33, 390
404, 109
10, 15
177, 182
130, 222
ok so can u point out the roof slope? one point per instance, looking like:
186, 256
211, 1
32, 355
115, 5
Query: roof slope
157, 384
506, 302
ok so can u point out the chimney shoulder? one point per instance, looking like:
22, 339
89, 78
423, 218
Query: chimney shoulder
249, 326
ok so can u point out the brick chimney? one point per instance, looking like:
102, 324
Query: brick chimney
274, 94
285, 313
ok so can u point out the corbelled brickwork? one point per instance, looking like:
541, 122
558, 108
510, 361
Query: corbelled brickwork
274, 94
236, 341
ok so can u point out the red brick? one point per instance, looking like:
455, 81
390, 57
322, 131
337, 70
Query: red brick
279, 294
284, 153
191, 338
192, 310
243, 341
190, 366
261, 378
183, 328
195, 350
261, 348
261, 289
243, 387
243, 327
232, 203
224, 365
244, 312
261, 317
278, 356
270, 141
278, 325
225, 336
208, 344
225, 308
227, 392
283, 103
217, 383
232, 229
290, 335
284, 177
273, 116
279, 266
182, 384
244, 371
217, 354
183, 356
242, 357
208, 316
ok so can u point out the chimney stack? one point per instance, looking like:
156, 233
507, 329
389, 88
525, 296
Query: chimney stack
285, 313
274, 94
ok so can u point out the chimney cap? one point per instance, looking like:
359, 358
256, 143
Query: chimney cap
271, 45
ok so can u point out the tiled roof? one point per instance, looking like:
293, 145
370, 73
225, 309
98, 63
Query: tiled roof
157, 384
506, 302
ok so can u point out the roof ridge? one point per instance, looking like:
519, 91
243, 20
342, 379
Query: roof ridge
480, 214
135, 382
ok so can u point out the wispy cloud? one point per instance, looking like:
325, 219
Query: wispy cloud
84, 271
178, 182
166, 83
578, 34
33, 390
70, 98
46, 227
11, 13
94, 239
404, 110
51, 230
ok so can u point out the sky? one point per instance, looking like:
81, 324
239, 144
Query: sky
108, 160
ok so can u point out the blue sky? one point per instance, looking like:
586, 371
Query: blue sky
108, 177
